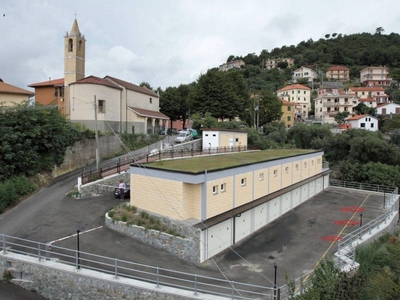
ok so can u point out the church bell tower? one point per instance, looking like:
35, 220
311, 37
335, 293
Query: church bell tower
74, 55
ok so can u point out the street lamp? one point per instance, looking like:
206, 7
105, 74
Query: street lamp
77, 247
276, 267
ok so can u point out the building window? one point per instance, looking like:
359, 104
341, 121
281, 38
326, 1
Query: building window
305, 165
312, 163
372, 125
243, 181
289, 108
70, 45
286, 170
275, 173
318, 160
215, 189
297, 167
261, 176
214, 134
237, 139
56, 92
150, 101
223, 187
80, 46
288, 118
206, 134
362, 125
102, 106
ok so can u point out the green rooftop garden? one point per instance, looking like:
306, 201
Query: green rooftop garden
221, 161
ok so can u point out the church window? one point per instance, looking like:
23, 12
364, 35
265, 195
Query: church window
80, 46
151, 101
70, 45
102, 106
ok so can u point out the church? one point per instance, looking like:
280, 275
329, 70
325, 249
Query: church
117, 105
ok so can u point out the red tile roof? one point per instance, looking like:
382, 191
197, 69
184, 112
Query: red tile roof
357, 117
294, 87
148, 113
54, 82
338, 68
132, 87
97, 80
11, 89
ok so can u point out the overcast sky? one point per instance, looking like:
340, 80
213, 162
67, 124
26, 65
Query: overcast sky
165, 42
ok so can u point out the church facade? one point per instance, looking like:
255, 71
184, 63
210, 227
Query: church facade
117, 105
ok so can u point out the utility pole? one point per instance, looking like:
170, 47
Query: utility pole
96, 134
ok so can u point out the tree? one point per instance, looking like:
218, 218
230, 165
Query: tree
230, 58
34, 139
327, 36
341, 117
223, 94
146, 85
379, 30
362, 109
174, 102
282, 65
269, 108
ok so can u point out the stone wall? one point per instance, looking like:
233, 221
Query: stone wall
187, 248
84, 153
55, 280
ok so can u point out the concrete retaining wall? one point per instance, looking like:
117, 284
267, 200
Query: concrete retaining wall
84, 153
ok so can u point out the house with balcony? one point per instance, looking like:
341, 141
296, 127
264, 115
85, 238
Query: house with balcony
304, 72
300, 95
11, 95
226, 198
338, 73
375, 76
236, 64
272, 63
366, 122
330, 101
374, 94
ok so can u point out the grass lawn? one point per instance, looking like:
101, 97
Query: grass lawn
218, 161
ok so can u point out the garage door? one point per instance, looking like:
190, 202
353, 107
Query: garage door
286, 202
243, 225
274, 208
260, 216
219, 237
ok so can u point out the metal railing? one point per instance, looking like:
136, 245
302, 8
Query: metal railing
345, 256
121, 268
121, 166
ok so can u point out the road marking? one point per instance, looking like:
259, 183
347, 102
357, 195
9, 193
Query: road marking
73, 235
333, 242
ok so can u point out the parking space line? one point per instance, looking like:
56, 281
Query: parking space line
340, 233
73, 235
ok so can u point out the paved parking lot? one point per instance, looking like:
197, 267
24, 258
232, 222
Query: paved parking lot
296, 242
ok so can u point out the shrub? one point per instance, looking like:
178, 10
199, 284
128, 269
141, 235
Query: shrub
111, 214
144, 214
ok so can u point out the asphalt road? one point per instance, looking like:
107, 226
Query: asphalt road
294, 241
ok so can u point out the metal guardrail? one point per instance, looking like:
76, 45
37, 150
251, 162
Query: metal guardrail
121, 268
347, 244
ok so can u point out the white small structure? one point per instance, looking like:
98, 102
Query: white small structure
388, 109
366, 122
220, 138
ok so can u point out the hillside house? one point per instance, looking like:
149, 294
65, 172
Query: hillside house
304, 72
236, 64
272, 63
375, 76
388, 109
373, 94
289, 110
366, 122
338, 73
11, 95
299, 94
